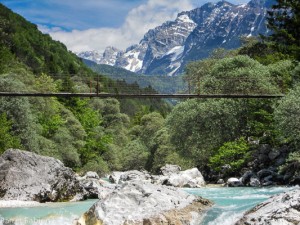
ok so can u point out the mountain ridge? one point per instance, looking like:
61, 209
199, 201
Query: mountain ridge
167, 48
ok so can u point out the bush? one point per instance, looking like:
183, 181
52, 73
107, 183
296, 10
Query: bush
197, 127
7, 140
287, 116
97, 165
134, 156
233, 153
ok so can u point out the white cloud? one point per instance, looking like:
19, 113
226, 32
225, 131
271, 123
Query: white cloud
138, 21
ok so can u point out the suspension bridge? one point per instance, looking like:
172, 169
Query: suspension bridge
140, 87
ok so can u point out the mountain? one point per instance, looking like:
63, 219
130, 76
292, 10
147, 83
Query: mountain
22, 43
161, 84
166, 49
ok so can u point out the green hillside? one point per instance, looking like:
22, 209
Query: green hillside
162, 84
84, 133
107, 134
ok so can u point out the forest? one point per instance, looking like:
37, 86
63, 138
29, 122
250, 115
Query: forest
104, 135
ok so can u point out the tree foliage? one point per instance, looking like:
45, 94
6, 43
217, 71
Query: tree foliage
110, 134
284, 21
238, 75
233, 153
7, 139
198, 127
287, 116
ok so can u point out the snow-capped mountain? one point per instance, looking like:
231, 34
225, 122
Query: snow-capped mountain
166, 49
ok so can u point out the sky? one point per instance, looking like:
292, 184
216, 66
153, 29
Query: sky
86, 25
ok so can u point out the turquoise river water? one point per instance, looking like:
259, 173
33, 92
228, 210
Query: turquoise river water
230, 204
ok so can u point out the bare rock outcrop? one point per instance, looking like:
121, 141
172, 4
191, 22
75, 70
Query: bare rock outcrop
27, 176
282, 209
191, 178
140, 203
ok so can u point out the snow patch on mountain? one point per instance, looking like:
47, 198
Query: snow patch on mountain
166, 49
134, 63
185, 19
176, 52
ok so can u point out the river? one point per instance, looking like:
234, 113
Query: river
230, 204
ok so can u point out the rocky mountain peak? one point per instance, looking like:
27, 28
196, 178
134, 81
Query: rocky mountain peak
166, 49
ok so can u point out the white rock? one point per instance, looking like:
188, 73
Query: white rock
92, 174
136, 201
234, 182
169, 169
254, 182
282, 209
189, 178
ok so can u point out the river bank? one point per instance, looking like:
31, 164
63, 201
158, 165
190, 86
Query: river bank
29, 182
230, 204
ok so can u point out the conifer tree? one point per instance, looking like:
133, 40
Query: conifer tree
284, 21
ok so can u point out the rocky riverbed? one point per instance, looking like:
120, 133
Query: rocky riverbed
134, 197
145, 203
26, 177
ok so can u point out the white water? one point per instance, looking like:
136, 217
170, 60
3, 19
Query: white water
46, 214
230, 204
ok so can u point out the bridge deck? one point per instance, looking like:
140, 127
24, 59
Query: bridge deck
110, 95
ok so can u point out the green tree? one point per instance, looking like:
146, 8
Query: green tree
134, 156
287, 116
163, 152
150, 124
284, 21
19, 110
239, 75
198, 127
7, 139
195, 73
233, 153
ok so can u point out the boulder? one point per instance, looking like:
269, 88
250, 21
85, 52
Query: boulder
92, 186
114, 177
265, 173
131, 175
280, 161
220, 181
169, 169
27, 176
234, 182
91, 174
140, 203
295, 181
225, 168
264, 149
282, 209
273, 154
191, 178
135, 175
245, 179
254, 182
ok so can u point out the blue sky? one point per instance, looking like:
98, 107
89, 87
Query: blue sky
94, 24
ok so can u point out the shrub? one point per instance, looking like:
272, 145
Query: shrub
233, 153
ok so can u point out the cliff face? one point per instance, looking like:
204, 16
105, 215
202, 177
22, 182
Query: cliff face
166, 49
